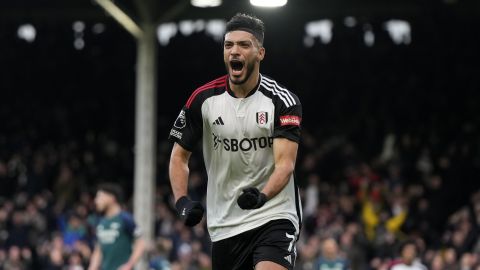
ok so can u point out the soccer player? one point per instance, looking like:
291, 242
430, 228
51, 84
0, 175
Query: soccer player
250, 128
119, 245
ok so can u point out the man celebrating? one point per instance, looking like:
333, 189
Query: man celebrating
250, 128
119, 245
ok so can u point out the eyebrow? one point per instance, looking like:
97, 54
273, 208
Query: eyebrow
239, 42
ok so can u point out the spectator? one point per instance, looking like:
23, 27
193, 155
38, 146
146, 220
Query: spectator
75, 262
468, 261
18, 230
159, 257
74, 231
18, 259
56, 260
450, 259
437, 263
65, 189
330, 258
409, 258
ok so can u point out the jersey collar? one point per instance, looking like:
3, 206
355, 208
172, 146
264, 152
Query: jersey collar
230, 92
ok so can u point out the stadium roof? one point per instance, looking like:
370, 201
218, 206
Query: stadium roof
55, 10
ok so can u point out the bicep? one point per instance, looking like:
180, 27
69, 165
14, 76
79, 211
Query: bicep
179, 154
285, 152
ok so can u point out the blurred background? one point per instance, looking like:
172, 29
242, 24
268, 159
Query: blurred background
390, 148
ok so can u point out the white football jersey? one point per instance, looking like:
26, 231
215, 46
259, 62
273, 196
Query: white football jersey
237, 136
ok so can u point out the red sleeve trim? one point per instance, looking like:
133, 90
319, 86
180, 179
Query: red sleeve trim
220, 82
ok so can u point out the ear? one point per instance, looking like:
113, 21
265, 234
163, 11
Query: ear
261, 53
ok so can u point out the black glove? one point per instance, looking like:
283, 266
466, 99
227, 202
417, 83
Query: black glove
251, 198
191, 212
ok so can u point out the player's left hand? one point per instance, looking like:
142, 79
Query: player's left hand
251, 198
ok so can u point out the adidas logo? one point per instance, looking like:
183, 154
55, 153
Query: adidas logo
219, 121
288, 258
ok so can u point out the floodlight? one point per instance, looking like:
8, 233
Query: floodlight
27, 32
399, 31
206, 3
268, 3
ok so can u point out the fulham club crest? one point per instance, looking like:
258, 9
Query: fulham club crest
262, 118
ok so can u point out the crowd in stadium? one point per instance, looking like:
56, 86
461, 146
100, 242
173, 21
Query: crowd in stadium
360, 222
379, 178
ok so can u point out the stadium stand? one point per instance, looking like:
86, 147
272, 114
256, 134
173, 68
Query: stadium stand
390, 147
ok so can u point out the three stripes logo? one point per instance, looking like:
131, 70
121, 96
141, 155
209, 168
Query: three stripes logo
218, 121
291, 246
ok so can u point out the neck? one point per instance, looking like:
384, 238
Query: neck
113, 210
242, 90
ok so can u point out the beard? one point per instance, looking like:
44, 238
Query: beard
249, 66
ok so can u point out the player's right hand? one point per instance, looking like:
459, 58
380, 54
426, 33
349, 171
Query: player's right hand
191, 212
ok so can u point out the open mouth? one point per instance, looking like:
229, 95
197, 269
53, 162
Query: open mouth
237, 66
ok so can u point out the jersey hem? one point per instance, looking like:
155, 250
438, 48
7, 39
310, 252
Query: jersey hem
253, 226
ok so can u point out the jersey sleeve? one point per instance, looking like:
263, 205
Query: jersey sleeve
288, 118
187, 129
130, 226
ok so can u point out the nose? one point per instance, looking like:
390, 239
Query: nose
234, 50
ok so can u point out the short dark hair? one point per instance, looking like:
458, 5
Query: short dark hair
408, 242
248, 23
113, 189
